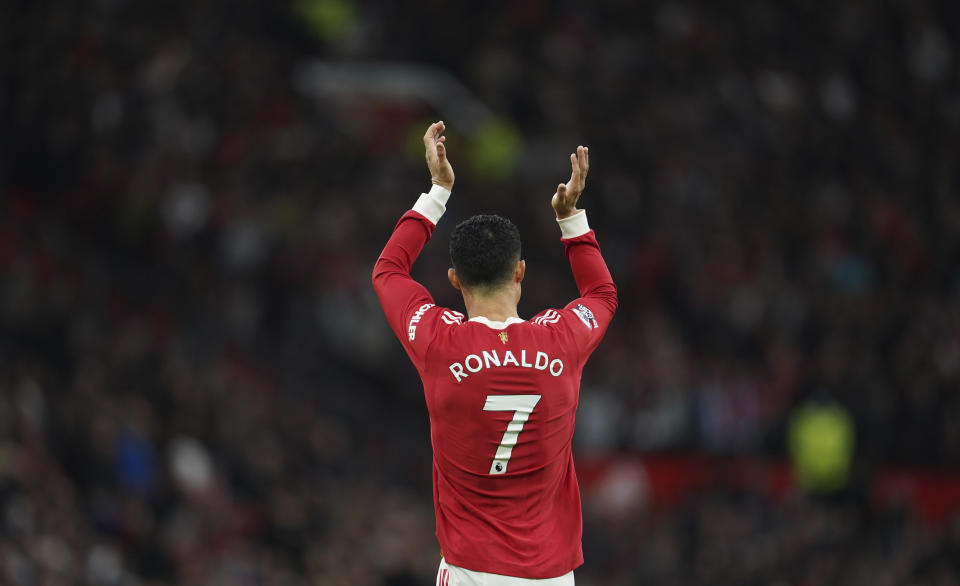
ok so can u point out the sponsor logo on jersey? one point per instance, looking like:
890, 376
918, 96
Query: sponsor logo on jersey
412, 326
550, 316
474, 363
448, 316
503, 337
586, 316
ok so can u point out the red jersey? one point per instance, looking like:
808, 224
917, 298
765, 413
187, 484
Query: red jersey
502, 399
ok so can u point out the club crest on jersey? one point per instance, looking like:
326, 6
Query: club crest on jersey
586, 316
503, 337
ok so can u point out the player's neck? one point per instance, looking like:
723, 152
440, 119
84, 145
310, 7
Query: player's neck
496, 306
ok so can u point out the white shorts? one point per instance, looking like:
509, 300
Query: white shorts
449, 575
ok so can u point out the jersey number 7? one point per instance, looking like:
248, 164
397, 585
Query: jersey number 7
522, 406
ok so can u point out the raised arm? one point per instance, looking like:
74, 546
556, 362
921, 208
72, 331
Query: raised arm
400, 295
598, 293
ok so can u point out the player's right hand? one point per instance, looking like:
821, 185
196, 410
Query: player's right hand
441, 172
564, 201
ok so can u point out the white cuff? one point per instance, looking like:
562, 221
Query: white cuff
575, 225
432, 205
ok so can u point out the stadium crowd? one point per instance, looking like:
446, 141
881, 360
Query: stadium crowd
198, 386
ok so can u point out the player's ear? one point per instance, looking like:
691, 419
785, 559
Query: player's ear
519, 270
452, 276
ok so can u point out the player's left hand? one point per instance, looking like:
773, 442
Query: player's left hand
441, 172
564, 201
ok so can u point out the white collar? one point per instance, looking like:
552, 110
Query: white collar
497, 325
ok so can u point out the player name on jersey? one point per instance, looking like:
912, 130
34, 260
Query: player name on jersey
474, 363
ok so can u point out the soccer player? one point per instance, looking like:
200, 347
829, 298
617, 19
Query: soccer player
501, 391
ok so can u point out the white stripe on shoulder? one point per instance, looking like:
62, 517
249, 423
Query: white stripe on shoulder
451, 317
550, 316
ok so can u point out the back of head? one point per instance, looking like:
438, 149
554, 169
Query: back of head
484, 250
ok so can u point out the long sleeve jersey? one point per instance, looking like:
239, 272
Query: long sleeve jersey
502, 399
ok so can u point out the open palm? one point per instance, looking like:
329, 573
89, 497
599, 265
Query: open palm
564, 201
441, 171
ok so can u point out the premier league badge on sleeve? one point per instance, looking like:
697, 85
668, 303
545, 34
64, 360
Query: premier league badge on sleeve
586, 316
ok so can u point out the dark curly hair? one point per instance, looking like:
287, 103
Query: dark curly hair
484, 250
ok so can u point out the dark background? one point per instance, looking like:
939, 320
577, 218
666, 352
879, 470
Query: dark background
199, 387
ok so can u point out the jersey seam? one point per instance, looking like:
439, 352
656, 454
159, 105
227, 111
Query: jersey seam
426, 351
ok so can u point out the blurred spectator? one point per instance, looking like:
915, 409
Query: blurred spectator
821, 443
